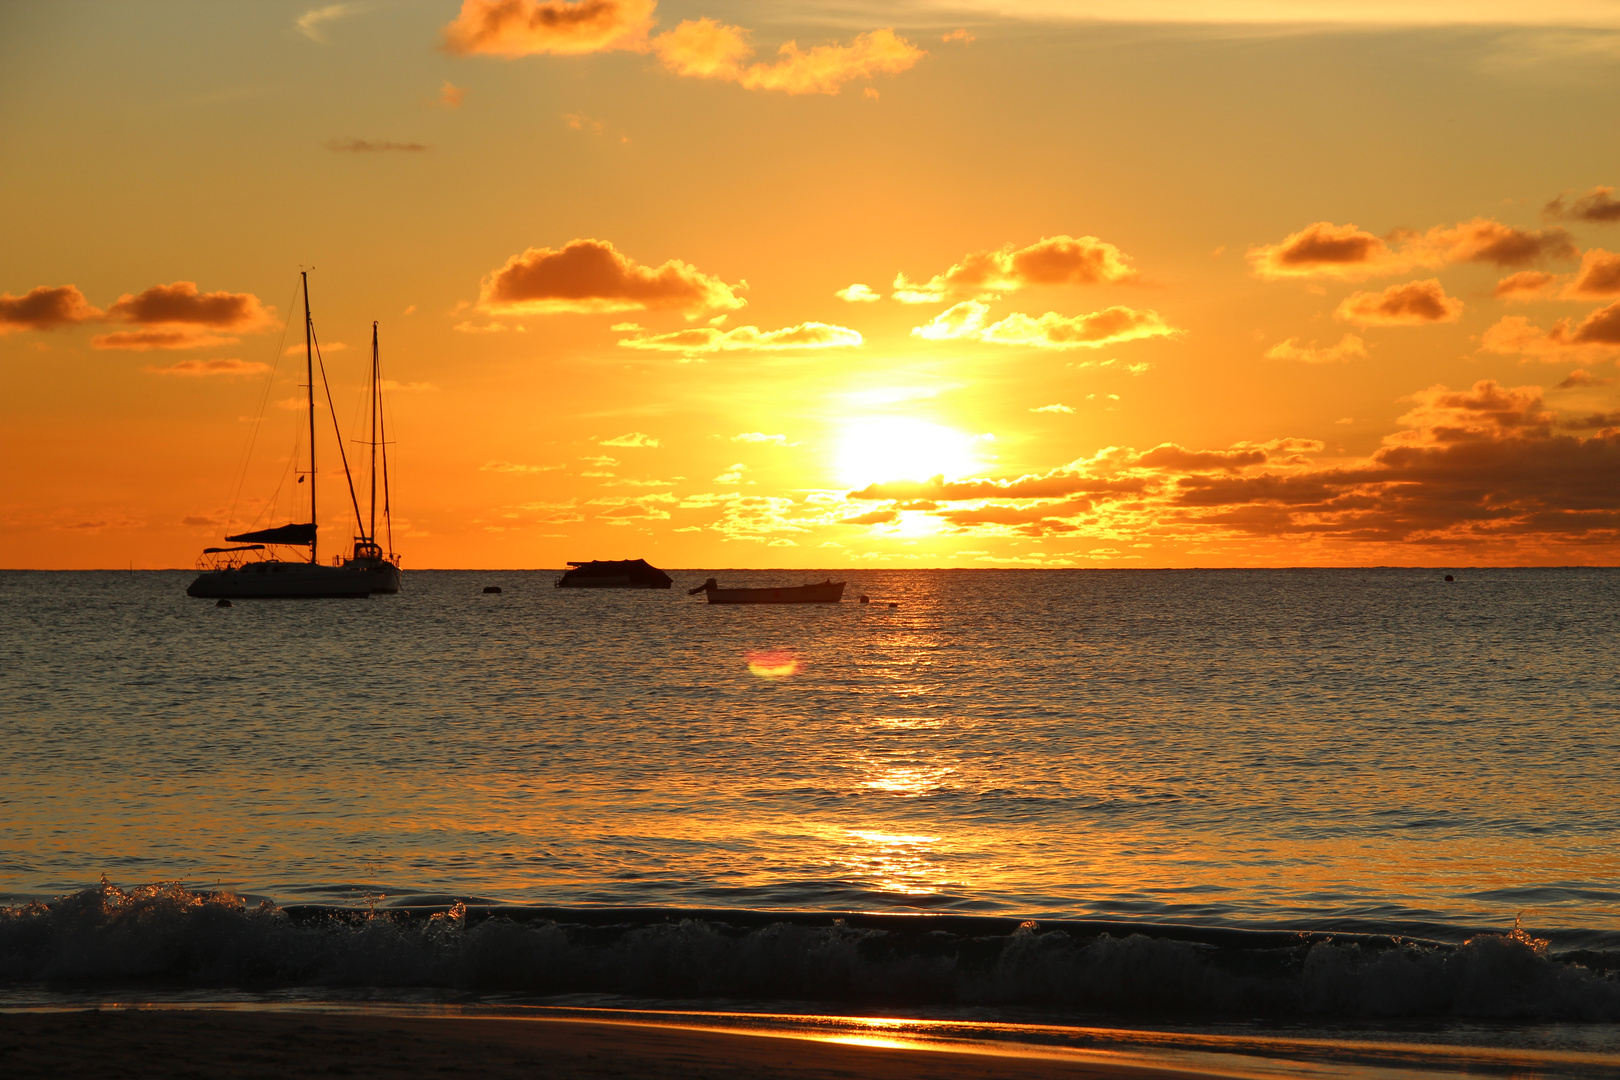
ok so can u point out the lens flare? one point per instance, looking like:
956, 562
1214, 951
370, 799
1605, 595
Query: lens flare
773, 664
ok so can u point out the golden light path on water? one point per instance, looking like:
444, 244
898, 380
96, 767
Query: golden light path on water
1366, 748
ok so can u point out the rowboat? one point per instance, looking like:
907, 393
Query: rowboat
827, 592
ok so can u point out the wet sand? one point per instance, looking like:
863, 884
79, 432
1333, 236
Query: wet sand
217, 1044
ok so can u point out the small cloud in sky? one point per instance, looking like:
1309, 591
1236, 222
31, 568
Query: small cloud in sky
1345, 420
1598, 206
1349, 346
309, 23
45, 308
451, 95
198, 368
871, 92
407, 388
732, 475
859, 294
759, 437
633, 438
373, 146
326, 347
588, 275
810, 335
1412, 304
1579, 377
411, 310
1052, 409
515, 467
962, 35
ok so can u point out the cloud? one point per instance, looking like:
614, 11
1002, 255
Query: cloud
451, 95
1051, 260
373, 146
1050, 331
633, 438
514, 467
1525, 286
1598, 277
872, 517
147, 340
591, 276
1578, 378
1596, 336
1349, 253
513, 28
1414, 304
1349, 346
759, 437
1487, 471
1324, 249
1598, 206
181, 304
964, 36
707, 49
45, 308
309, 23
858, 294
1052, 409
198, 368
708, 339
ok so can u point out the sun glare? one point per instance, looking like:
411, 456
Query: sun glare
881, 449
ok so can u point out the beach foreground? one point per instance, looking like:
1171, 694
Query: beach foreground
245, 1045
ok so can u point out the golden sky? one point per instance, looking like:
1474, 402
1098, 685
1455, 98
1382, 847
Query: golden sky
820, 284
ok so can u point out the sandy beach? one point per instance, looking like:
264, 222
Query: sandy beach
248, 1045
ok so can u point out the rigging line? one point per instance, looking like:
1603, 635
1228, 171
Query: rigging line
258, 418
331, 408
382, 434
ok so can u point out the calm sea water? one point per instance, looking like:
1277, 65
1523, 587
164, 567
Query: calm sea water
1353, 750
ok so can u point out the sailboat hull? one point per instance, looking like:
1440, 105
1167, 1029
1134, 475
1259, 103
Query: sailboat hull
274, 580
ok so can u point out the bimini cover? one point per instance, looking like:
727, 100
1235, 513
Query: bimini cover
283, 534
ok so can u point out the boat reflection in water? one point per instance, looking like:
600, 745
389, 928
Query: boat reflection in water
243, 572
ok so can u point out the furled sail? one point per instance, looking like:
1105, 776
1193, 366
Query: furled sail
282, 534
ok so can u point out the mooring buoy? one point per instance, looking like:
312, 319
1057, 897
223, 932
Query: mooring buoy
223, 603
492, 588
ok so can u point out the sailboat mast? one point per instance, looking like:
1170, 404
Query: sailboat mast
376, 396
309, 377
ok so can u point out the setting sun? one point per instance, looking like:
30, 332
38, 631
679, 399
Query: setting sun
881, 449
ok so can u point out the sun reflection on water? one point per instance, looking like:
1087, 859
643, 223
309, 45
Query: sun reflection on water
773, 664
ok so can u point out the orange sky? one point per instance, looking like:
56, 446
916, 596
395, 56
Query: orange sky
820, 284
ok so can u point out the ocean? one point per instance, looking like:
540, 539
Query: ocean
1322, 801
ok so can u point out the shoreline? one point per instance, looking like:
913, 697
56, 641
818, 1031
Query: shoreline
495, 1043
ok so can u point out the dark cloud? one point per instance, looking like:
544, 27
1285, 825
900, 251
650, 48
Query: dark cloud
1598, 277
1598, 205
45, 308
374, 146
181, 303
591, 276
1412, 304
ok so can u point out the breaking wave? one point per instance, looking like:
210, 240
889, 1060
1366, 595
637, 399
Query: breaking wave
166, 933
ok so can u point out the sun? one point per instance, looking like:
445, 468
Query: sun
882, 449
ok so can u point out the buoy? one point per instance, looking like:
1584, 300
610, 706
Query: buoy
223, 603
1450, 578
492, 588
865, 599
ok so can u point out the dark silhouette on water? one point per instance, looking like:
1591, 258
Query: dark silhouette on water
610, 574
229, 572
827, 592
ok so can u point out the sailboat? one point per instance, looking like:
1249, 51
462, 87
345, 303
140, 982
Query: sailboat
253, 569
